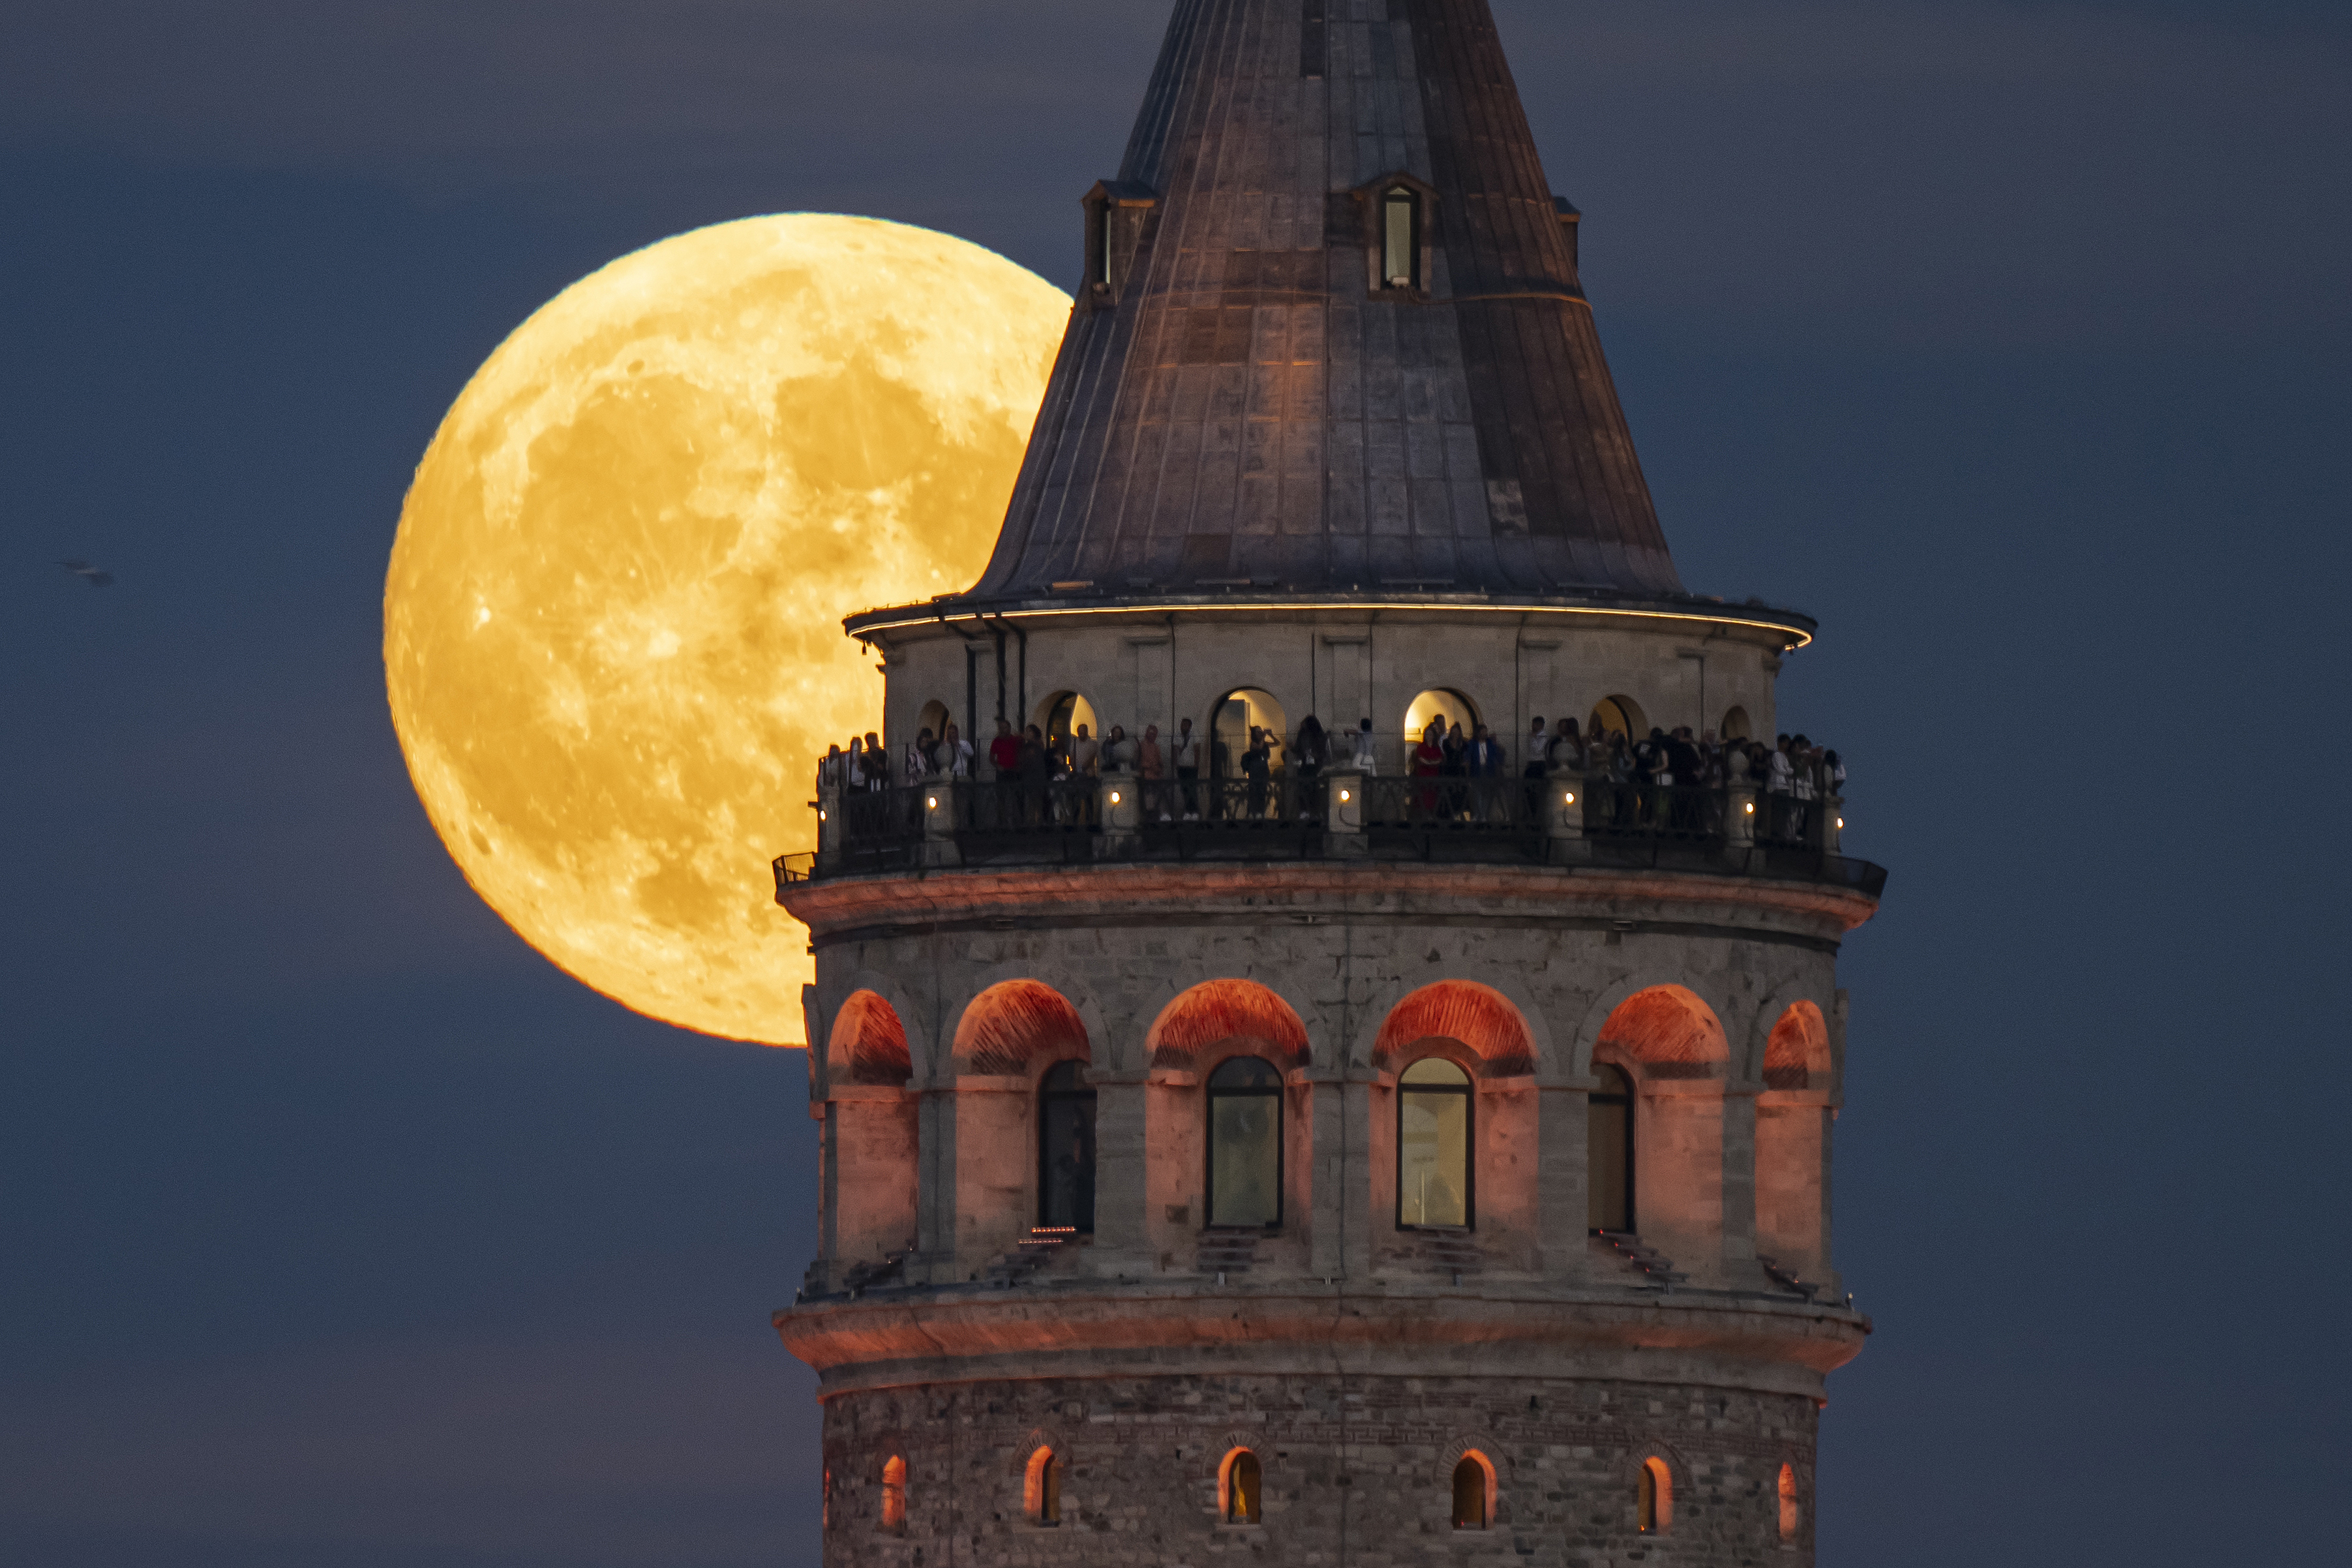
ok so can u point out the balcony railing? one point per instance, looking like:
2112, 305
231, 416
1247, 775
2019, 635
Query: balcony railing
1562, 820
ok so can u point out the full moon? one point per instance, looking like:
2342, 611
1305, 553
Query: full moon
611, 625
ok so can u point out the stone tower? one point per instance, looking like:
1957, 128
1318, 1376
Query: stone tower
1324, 1144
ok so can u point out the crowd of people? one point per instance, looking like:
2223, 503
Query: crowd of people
1653, 781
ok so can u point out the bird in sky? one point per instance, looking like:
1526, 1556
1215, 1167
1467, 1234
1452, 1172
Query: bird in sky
96, 576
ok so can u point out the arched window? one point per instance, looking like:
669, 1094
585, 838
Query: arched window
1240, 721
1065, 1150
1237, 1488
935, 717
1433, 1164
1400, 237
1654, 1507
1063, 715
1245, 1143
1737, 726
894, 1495
1441, 706
1042, 1489
824, 1518
1472, 1492
1621, 716
1609, 1150
1788, 1516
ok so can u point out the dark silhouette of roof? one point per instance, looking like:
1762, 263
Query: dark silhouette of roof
1242, 399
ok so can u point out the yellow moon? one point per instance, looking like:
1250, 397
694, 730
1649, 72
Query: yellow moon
611, 625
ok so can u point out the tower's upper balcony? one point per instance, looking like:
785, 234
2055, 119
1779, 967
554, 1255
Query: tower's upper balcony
1623, 737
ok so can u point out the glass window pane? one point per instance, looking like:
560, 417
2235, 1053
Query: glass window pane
1397, 259
1067, 1161
1246, 1072
1436, 1069
1244, 1159
1434, 1139
1609, 1132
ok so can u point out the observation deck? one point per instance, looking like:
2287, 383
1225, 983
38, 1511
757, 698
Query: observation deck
1562, 820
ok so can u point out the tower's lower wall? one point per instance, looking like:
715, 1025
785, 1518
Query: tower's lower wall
1357, 1469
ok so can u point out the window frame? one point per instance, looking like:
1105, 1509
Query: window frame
1597, 1096
1394, 194
1042, 1484
1372, 201
1653, 1498
1468, 1090
1483, 1470
1278, 1093
1046, 1096
1230, 1493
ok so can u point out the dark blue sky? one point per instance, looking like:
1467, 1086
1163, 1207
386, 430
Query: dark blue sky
338, 1230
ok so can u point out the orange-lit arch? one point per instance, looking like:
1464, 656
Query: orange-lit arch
1011, 1027
1478, 1017
1791, 1517
1041, 1490
1800, 1047
1216, 1011
1667, 1026
868, 1044
1653, 1502
1239, 1479
1481, 1473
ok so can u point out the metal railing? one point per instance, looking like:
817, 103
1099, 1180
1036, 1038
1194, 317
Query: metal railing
1736, 830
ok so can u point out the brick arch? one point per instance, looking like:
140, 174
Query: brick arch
1649, 1445
1798, 1049
1216, 1011
1477, 1016
867, 1043
1017, 1462
1014, 1025
1494, 1452
1670, 1031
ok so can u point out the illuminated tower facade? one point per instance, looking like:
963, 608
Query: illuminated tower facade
1324, 1145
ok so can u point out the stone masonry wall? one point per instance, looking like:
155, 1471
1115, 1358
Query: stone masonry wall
1357, 1472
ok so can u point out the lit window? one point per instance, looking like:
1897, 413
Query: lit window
1654, 1509
1245, 1143
894, 1495
1066, 1150
1472, 1482
1401, 238
1609, 1150
1042, 1499
1789, 1515
1434, 1145
1237, 1488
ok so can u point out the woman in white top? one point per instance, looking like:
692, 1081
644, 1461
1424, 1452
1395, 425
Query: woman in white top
1367, 758
857, 762
955, 755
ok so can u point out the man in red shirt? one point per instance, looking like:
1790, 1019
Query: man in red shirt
1004, 752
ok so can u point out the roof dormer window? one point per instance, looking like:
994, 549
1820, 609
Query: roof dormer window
1401, 238
1117, 213
1397, 213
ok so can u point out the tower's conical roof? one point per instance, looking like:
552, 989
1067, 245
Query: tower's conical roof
1249, 401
